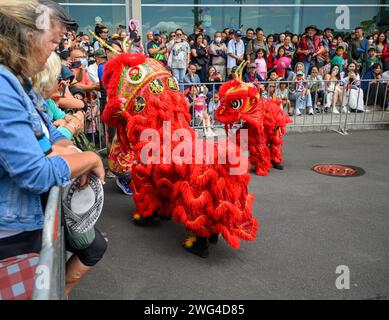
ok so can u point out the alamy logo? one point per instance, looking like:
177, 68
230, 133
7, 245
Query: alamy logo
343, 20
43, 20
42, 277
342, 282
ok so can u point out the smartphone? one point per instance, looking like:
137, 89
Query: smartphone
63, 90
75, 64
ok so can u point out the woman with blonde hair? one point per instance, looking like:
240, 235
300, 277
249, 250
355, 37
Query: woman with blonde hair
47, 84
34, 156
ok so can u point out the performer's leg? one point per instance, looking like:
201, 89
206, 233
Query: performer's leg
213, 238
197, 246
276, 150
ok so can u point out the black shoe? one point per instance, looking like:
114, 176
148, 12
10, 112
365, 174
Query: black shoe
356, 110
197, 246
213, 238
141, 221
277, 166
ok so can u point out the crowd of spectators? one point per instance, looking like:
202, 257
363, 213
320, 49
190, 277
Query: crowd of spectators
321, 67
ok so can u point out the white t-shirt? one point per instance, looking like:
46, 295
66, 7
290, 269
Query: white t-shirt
92, 73
178, 57
385, 75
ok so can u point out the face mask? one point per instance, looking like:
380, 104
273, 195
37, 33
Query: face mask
218, 39
84, 62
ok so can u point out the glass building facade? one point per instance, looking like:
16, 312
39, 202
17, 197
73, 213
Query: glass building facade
111, 12
274, 16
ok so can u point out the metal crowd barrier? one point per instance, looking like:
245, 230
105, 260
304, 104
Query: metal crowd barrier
373, 101
50, 272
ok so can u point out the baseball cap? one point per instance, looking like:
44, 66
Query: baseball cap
61, 14
299, 73
100, 53
238, 33
82, 208
253, 65
156, 32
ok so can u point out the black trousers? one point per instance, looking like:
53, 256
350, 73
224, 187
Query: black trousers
31, 242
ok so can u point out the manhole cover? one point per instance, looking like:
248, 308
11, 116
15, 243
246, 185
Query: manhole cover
338, 170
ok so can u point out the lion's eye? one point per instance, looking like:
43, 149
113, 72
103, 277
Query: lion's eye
136, 74
236, 104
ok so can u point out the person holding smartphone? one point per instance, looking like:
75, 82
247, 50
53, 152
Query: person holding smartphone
79, 63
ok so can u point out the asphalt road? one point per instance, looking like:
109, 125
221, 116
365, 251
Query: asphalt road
309, 225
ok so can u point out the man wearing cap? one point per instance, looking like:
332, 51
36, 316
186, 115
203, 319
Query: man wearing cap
254, 45
308, 48
252, 75
235, 51
156, 48
93, 69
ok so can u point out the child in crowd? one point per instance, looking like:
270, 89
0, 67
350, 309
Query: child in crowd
338, 58
282, 93
273, 76
213, 105
371, 59
200, 109
280, 54
261, 63
303, 98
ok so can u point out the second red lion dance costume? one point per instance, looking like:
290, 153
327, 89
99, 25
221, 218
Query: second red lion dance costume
263, 118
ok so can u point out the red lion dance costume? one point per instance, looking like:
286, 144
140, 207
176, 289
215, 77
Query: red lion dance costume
263, 118
205, 198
